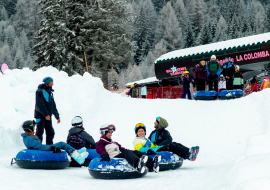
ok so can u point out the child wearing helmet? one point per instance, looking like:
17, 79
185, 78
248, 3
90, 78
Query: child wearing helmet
107, 148
162, 140
266, 83
78, 137
31, 141
186, 86
222, 83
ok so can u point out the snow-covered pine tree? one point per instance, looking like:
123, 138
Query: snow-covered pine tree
24, 43
51, 45
15, 47
205, 36
3, 14
234, 28
109, 36
10, 35
6, 56
19, 60
10, 6
182, 15
221, 32
29, 62
190, 40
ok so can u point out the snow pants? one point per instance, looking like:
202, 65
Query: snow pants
186, 92
213, 83
175, 148
69, 149
200, 85
47, 125
133, 156
229, 84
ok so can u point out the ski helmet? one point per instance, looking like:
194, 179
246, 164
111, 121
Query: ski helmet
139, 126
186, 73
106, 127
29, 124
77, 121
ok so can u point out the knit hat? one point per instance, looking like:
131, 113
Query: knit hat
227, 58
139, 126
213, 56
47, 80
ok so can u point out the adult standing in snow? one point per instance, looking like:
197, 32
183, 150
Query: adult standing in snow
135, 91
213, 71
162, 141
143, 91
238, 82
44, 108
228, 72
130, 90
200, 76
254, 86
78, 137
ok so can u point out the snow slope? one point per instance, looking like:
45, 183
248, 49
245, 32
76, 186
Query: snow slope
233, 135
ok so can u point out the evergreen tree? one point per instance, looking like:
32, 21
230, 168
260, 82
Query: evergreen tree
205, 36
3, 14
29, 62
24, 43
6, 57
181, 14
190, 37
10, 35
19, 60
234, 28
10, 6
221, 32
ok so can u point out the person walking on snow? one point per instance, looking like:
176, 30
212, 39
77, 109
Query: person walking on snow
186, 86
200, 76
266, 83
228, 72
31, 141
162, 140
213, 71
107, 149
44, 108
78, 137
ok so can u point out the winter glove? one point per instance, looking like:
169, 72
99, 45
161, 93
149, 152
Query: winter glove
151, 152
105, 157
55, 149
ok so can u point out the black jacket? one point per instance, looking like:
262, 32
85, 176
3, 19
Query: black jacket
89, 141
228, 70
45, 104
162, 137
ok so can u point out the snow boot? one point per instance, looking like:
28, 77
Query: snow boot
80, 158
141, 164
156, 161
193, 152
82, 150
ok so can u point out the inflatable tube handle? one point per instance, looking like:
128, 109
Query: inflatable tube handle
12, 161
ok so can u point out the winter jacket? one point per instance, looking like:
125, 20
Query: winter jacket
135, 92
266, 84
228, 70
89, 141
186, 82
45, 104
32, 142
143, 91
104, 141
212, 68
222, 84
130, 92
238, 79
160, 136
200, 72
142, 144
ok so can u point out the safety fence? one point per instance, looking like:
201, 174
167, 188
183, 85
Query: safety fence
173, 92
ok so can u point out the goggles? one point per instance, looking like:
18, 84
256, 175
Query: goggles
139, 125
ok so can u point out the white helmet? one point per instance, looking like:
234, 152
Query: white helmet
77, 121
106, 127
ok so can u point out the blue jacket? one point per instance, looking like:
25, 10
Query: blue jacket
143, 91
32, 142
45, 104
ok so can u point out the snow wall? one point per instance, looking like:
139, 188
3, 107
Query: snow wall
235, 131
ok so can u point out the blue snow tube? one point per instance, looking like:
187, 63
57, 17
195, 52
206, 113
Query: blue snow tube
169, 161
205, 95
37, 159
92, 154
230, 94
117, 168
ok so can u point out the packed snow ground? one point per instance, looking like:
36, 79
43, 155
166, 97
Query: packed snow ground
233, 135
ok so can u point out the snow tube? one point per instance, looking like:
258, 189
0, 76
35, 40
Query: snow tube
205, 95
117, 168
92, 154
37, 159
169, 161
230, 94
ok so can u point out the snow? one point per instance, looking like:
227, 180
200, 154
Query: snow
145, 81
218, 46
233, 135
